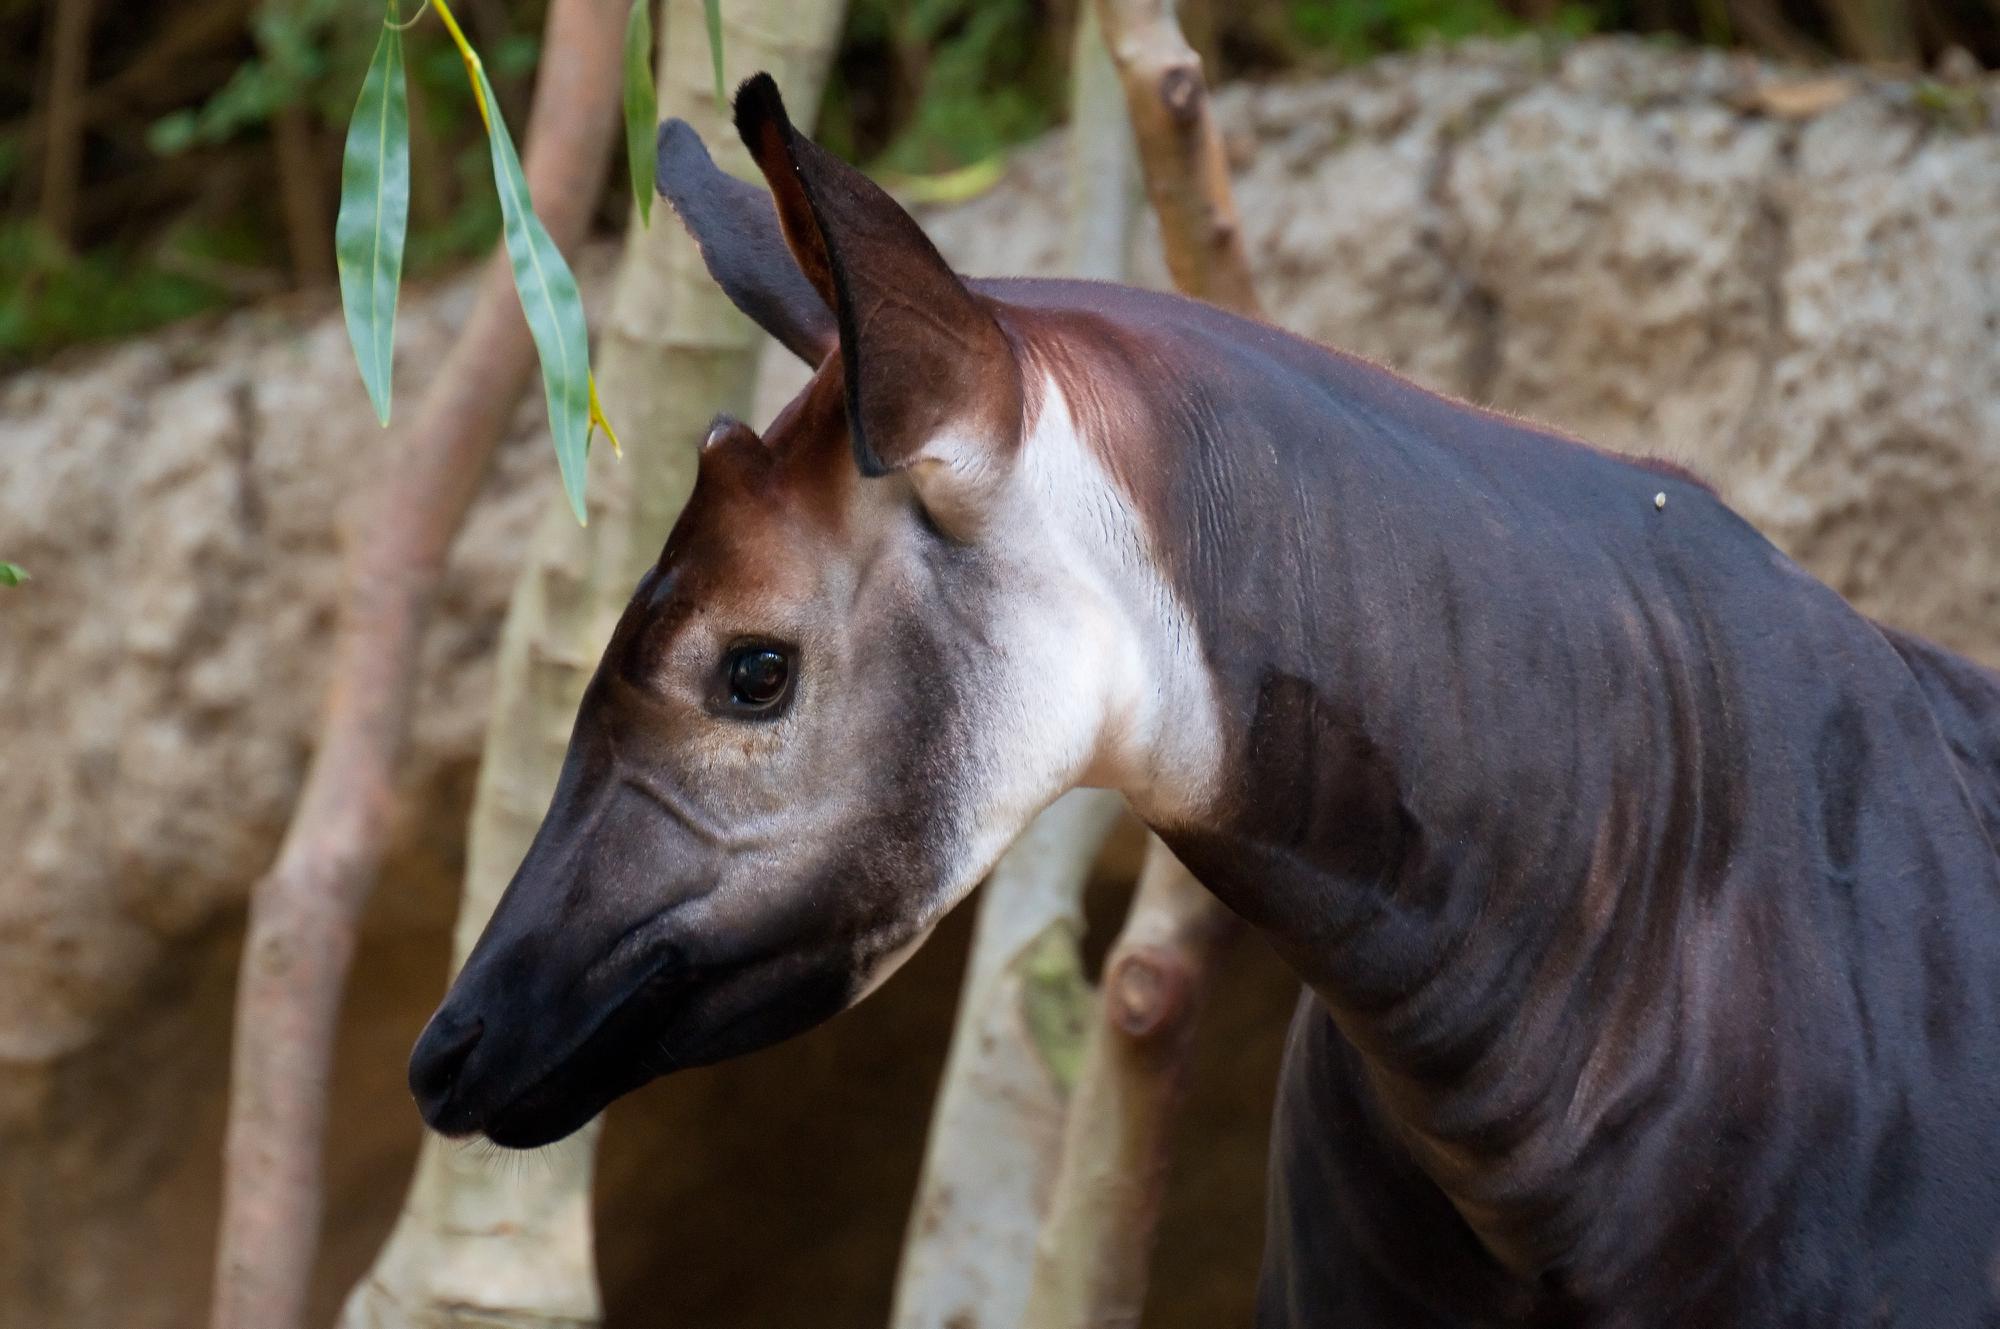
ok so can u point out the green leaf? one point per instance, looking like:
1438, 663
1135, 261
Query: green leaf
374, 215
642, 106
12, 574
173, 133
712, 11
552, 303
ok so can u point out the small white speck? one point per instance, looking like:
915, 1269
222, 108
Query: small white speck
1660, 500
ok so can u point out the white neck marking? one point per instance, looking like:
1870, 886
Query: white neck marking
1128, 638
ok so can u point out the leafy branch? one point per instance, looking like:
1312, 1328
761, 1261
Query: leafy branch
372, 225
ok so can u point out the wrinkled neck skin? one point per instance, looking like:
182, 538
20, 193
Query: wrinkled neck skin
1457, 716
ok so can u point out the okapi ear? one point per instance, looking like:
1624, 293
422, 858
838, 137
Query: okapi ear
736, 229
932, 383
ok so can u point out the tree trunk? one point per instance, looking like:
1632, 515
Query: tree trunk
996, 1131
302, 196
305, 910
482, 1243
1186, 170
1092, 1255
1104, 184
62, 144
1091, 1259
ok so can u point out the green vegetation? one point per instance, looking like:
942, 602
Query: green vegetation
1357, 30
923, 86
213, 127
303, 49
51, 298
182, 170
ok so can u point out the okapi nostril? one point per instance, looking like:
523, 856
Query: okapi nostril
440, 1055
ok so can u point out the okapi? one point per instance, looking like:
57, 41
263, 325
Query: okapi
1644, 893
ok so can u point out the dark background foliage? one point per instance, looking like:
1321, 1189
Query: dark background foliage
206, 168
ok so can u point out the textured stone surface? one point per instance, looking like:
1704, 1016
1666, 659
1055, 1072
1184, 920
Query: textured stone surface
1616, 242
176, 501
1612, 239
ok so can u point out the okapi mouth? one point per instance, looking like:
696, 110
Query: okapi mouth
447, 1078
676, 1016
612, 1059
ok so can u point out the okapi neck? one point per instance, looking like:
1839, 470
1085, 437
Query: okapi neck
1475, 731
1481, 727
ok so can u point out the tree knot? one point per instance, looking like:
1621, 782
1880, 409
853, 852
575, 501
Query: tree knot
1147, 991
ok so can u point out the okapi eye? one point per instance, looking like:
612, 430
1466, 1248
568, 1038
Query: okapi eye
758, 677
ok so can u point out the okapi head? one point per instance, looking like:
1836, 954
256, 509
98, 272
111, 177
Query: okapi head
879, 640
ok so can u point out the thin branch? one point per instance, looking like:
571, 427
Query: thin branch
302, 195
63, 141
1187, 172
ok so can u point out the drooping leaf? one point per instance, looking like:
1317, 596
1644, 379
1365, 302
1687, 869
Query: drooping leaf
547, 288
374, 215
642, 106
552, 303
12, 574
712, 12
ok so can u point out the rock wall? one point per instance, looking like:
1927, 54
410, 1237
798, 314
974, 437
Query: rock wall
177, 502
1637, 246
1792, 286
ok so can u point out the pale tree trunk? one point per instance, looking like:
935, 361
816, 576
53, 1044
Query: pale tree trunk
305, 910
481, 1242
996, 1130
1104, 185
997, 1127
1094, 1249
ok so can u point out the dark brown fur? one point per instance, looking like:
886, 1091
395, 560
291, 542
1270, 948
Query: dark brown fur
1610, 842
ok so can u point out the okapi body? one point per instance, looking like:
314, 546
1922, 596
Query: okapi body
1644, 893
